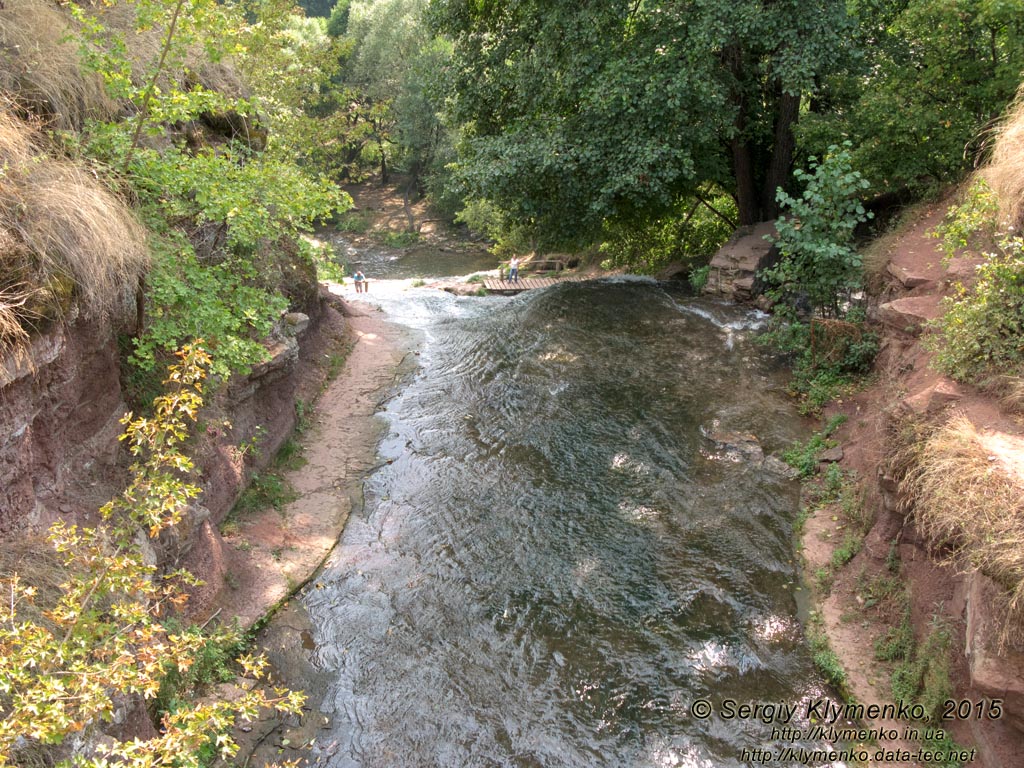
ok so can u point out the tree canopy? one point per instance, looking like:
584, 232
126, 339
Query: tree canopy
580, 112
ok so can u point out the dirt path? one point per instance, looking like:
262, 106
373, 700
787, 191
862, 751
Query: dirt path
915, 281
272, 552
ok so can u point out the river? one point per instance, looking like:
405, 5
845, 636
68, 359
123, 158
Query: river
554, 561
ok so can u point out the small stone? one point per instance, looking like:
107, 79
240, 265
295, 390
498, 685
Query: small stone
831, 455
296, 322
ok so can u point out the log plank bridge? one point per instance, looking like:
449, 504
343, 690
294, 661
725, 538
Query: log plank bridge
509, 288
503, 286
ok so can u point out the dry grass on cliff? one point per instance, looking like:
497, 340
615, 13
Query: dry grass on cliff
35, 562
966, 499
1005, 171
41, 70
69, 232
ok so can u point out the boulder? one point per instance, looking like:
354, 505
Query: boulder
294, 323
910, 314
733, 273
777, 466
995, 672
831, 455
735, 446
907, 278
932, 399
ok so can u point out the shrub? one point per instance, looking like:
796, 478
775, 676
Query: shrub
690, 233
100, 636
981, 334
829, 355
804, 457
816, 237
699, 278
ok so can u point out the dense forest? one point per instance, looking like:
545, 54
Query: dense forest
164, 161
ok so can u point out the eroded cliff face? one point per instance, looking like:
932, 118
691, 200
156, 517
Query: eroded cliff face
60, 405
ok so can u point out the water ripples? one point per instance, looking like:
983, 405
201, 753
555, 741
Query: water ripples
551, 568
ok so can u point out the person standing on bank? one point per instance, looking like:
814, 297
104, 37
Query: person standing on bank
360, 280
513, 270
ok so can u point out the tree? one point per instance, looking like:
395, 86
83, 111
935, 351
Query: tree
389, 69
579, 112
931, 76
815, 236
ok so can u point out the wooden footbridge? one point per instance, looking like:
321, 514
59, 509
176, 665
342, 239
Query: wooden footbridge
502, 285
507, 287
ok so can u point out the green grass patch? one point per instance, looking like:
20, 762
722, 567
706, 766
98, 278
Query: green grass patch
398, 239
847, 549
354, 222
804, 457
825, 659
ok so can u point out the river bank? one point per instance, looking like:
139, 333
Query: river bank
885, 595
271, 553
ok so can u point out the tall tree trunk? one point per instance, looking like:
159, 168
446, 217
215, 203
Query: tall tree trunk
747, 202
743, 171
787, 112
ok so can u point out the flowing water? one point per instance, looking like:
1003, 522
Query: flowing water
555, 561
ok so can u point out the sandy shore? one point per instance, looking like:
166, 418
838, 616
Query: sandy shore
274, 553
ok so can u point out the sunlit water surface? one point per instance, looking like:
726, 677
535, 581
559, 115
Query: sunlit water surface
554, 561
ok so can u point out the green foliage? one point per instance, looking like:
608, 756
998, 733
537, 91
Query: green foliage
699, 278
815, 238
804, 458
295, 68
829, 356
981, 334
323, 257
485, 218
212, 663
820, 268
923, 678
317, 8
354, 222
825, 659
399, 239
927, 78
832, 483
971, 223
250, 206
689, 233
219, 301
847, 549
63, 668
266, 490
337, 22
254, 197
574, 114
897, 644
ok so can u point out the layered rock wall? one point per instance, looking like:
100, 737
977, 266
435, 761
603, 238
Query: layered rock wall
60, 405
